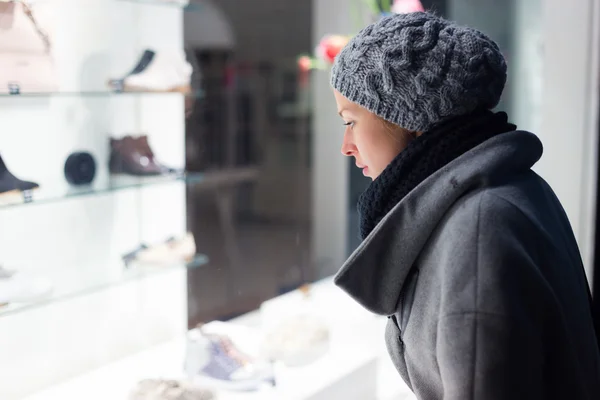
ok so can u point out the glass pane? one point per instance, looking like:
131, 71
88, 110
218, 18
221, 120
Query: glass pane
64, 284
173, 201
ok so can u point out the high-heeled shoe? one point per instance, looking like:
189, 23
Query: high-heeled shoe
10, 184
161, 72
145, 60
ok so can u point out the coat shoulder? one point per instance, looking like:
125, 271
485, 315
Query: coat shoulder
490, 241
506, 209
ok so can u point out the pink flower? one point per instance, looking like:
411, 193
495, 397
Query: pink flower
407, 6
330, 46
304, 63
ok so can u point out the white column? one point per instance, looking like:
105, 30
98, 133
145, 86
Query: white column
330, 168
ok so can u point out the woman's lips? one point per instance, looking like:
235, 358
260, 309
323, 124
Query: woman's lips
364, 168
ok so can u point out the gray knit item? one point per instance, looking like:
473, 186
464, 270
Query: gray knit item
416, 70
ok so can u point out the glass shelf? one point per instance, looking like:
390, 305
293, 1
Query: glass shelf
168, 3
115, 183
77, 281
99, 93
184, 5
112, 184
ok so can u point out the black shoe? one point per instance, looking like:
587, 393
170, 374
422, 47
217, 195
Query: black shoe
10, 183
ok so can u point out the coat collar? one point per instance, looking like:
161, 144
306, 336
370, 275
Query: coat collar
375, 272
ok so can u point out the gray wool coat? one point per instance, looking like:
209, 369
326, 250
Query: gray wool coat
479, 273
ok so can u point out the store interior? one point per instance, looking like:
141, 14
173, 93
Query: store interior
173, 203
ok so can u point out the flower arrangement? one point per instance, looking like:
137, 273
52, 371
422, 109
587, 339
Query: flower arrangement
331, 45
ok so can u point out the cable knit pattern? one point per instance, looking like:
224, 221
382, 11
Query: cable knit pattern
416, 70
423, 157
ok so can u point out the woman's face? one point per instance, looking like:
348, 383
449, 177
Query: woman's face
367, 138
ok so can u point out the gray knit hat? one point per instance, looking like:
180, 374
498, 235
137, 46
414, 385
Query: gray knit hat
417, 69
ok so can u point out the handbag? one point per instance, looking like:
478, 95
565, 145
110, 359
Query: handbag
26, 64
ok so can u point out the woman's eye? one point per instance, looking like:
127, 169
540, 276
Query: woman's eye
350, 124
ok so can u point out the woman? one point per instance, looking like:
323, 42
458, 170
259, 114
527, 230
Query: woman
466, 250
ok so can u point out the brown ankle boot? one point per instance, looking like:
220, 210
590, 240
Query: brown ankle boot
133, 156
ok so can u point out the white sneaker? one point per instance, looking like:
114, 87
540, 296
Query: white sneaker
214, 360
26, 65
165, 72
18, 287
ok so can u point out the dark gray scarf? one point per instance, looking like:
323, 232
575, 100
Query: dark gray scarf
424, 156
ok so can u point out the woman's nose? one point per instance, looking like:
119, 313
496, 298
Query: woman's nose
348, 148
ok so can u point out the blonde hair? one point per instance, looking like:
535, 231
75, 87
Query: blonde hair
396, 131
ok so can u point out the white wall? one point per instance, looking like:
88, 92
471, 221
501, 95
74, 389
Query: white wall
78, 243
526, 65
569, 126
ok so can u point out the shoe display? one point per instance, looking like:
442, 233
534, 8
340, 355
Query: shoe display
297, 341
165, 389
133, 156
10, 184
214, 360
157, 72
172, 251
19, 287
26, 65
